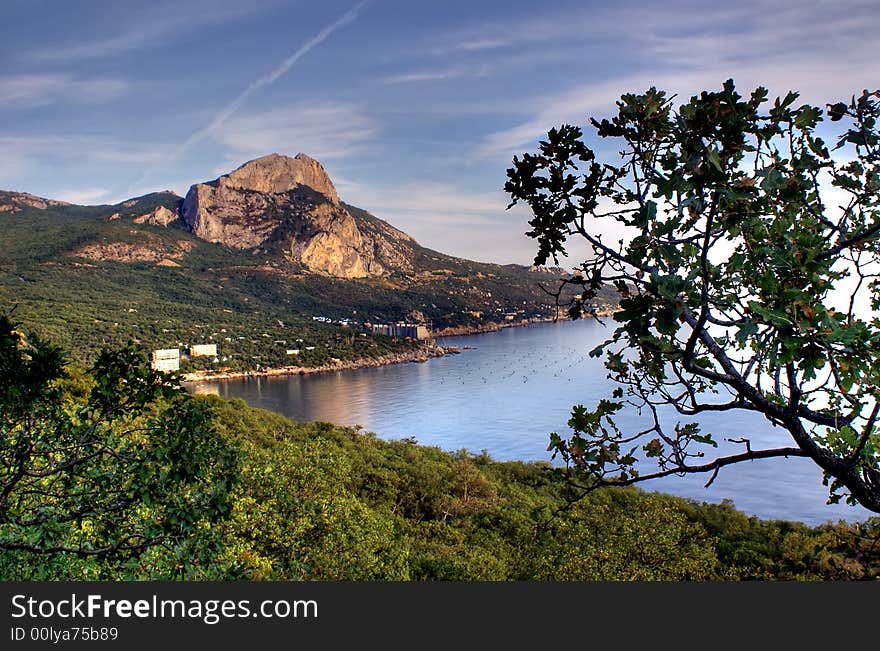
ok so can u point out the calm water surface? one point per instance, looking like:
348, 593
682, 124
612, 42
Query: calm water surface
508, 392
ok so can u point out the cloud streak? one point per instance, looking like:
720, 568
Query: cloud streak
324, 130
266, 80
438, 74
444, 217
813, 50
85, 196
32, 90
155, 26
47, 164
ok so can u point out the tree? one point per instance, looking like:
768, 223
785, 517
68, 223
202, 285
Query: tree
132, 463
626, 537
747, 270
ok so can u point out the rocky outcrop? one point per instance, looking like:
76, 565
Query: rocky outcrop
329, 241
290, 206
161, 216
392, 247
235, 217
277, 173
16, 201
146, 249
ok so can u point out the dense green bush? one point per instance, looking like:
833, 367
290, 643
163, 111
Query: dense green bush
316, 501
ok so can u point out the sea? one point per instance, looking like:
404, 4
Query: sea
506, 391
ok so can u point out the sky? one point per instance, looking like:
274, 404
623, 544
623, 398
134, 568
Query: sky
416, 109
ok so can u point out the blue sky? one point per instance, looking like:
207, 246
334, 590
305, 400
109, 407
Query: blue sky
415, 108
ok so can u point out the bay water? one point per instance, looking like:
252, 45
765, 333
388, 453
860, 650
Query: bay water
507, 390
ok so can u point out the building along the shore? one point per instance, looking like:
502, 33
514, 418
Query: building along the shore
203, 350
165, 360
403, 330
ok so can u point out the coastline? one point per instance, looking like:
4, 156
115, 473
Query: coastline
494, 326
418, 355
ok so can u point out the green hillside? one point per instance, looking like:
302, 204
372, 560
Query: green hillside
89, 276
319, 502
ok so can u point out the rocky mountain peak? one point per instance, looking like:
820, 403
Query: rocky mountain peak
276, 173
289, 206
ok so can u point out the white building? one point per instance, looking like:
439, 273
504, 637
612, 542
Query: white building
165, 360
203, 350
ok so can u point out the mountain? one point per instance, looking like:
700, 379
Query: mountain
290, 205
265, 259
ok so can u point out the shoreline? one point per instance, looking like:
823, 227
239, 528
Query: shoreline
419, 355
494, 326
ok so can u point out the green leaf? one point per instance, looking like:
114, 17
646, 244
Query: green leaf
745, 331
714, 159
837, 111
807, 117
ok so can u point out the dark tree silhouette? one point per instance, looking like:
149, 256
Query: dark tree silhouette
747, 269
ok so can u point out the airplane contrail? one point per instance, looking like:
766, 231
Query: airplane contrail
270, 78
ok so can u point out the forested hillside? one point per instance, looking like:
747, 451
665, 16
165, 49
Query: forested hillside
94, 276
319, 502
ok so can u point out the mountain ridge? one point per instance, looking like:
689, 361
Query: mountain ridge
94, 276
288, 204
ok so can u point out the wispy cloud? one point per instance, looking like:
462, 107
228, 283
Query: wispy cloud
571, 106
681, 31
265, 80
85, 196
515, 32
427, 198
324, 130
444, 217
438, 74
30, 90
753, 31
154, 25
484, 44
813, 50
87, 148
149, 34
28, 159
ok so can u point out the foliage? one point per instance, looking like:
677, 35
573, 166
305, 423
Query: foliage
127, 478
627, 536
743, 285
107, 465
327, 502
316, 501
296, 518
